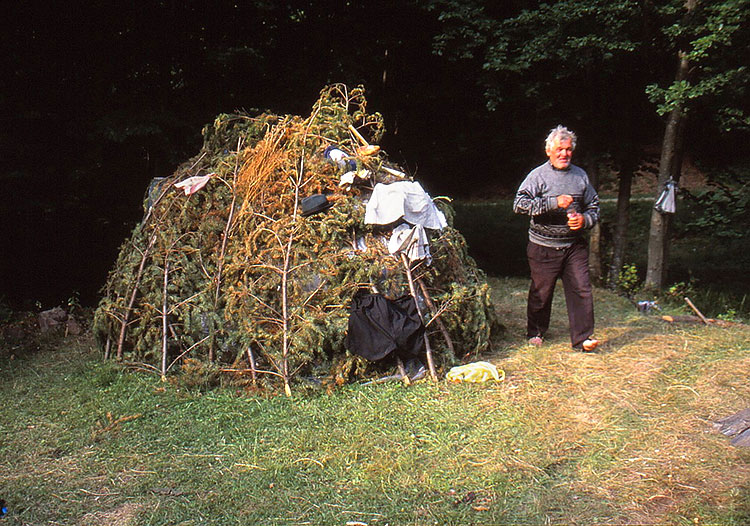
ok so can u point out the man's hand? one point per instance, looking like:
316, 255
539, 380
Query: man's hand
564, 201
576, 222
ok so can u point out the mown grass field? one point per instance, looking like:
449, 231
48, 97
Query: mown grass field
620, 437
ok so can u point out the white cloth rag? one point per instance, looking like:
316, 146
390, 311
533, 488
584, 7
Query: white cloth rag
349, 178
404, 199
193, 184
412, 241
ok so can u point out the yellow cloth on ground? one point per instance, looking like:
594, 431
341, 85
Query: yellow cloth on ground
475, 372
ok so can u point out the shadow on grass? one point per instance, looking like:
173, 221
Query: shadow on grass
616, 338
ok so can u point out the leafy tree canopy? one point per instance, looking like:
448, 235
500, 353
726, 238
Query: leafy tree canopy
714, 38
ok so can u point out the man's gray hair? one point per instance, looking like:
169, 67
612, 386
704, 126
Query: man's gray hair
560, 133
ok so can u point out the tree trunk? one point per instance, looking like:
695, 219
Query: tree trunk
595, 235
621, 227
595, 254
669, 165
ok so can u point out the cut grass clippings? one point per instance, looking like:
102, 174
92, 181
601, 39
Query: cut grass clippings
623, 436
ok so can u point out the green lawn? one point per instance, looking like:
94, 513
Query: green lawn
623, 436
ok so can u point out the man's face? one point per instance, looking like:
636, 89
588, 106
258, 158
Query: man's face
560, 154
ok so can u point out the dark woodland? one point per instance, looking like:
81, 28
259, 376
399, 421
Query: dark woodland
98, 98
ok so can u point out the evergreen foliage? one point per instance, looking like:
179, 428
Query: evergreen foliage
234, 275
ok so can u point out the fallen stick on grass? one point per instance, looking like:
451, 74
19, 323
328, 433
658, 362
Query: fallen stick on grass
696, 319
695, 309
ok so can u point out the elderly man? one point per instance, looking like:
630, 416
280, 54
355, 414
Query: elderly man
562, 204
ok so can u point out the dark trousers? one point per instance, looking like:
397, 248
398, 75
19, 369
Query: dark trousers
572, 265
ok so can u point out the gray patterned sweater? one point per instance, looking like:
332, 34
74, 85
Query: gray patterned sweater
537, 197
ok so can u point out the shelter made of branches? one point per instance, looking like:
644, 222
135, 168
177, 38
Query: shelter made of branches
233, 274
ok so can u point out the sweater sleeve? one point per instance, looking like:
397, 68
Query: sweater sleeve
530, 199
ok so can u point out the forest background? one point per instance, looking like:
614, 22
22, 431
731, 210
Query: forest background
98, 98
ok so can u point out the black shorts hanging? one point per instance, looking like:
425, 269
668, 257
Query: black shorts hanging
379, 326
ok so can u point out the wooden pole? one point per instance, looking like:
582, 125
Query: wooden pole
695, 309
164, 324
251, 359
413, 290
436, 317
359, 137
402, 372
139, 275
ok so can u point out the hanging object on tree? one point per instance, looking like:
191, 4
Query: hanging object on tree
667, 201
